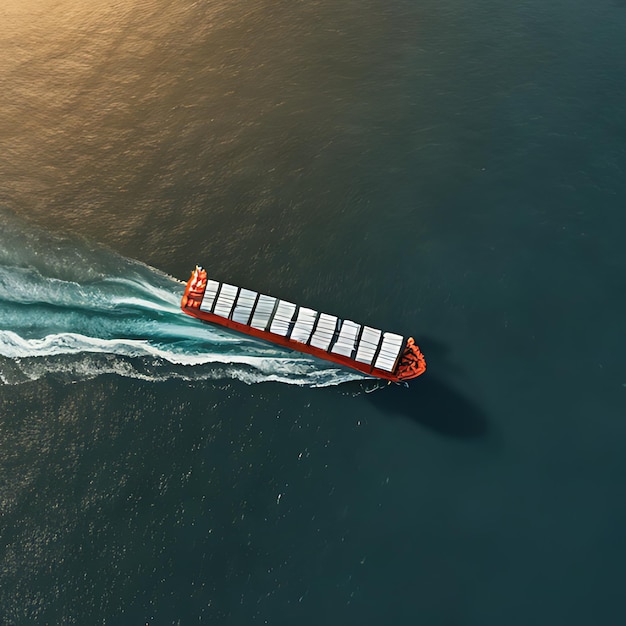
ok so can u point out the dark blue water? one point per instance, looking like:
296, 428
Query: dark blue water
449, 171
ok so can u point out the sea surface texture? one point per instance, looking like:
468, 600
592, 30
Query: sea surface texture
449, 170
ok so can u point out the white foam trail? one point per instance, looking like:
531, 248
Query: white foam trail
13, 346
123, 318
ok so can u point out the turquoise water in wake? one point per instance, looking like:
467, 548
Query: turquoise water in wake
78, 312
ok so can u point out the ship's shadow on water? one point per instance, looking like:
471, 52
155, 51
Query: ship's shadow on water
432, 402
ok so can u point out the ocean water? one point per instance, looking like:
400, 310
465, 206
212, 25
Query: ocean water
449, 171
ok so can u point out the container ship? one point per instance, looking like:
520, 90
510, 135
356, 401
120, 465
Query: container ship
378, 354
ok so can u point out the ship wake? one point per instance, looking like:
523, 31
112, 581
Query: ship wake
73, 311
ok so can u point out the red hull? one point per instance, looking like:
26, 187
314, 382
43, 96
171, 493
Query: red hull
410, 366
